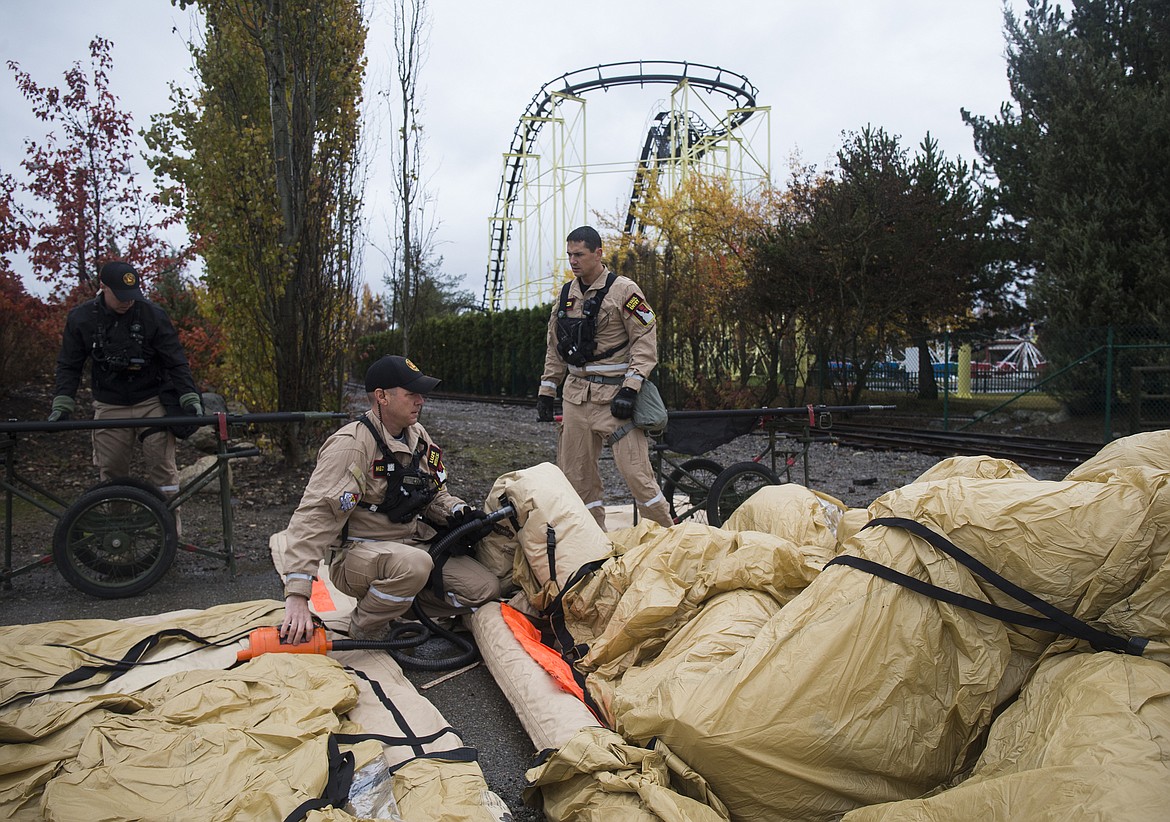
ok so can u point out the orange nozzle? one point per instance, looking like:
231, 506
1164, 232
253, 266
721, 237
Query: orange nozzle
267, 640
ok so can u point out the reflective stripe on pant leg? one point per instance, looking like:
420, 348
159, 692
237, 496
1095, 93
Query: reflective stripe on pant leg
384, 577
631, 455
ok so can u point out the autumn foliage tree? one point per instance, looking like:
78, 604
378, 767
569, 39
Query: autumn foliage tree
268, 149
693, 262
78, 201
74, 203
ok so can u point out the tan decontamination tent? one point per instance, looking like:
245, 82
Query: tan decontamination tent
977, 644
976, 630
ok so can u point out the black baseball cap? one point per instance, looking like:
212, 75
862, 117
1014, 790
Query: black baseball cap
123, 280
393, 371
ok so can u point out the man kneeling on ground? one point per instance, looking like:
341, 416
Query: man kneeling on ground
376, 498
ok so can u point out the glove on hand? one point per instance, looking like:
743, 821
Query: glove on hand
466, 543
622, 405
544, 409
62, 408
463, 516
192, 403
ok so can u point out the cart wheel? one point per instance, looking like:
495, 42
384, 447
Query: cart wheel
735, 485
115, 541
693, 480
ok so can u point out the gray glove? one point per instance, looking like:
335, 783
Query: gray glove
63, 408
192, 403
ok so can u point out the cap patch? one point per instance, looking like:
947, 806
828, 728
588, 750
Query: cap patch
411, 365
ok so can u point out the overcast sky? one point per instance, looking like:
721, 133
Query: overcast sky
822, 66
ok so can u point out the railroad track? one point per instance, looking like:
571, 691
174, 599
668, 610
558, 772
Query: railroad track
1017, 448
1067, 453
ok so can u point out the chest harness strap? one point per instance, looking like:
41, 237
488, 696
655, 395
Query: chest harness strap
409, 489
577, 336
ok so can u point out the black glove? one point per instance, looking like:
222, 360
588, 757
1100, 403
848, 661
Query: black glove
466, 542
622, 405
544, 409
463, 516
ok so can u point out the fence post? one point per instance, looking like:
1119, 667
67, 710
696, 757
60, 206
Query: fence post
963, 378
946, 378
1108, 434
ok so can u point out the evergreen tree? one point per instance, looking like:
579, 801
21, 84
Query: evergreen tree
1082, 159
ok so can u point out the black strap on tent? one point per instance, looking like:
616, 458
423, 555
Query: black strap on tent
336, 792
571, 651
1052, 620
341, 764
550, 543
414, 740
80, 676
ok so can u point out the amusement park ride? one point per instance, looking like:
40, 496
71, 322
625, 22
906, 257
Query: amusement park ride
542, 193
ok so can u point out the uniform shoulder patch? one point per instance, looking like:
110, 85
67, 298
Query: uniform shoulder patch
348, 500
638, 307
435, 461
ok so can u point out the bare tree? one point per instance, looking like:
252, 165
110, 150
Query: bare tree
414, 245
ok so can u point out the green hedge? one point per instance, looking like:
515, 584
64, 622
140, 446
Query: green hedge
500, 354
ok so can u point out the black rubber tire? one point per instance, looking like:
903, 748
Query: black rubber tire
134, 482
735, 485
115, 541
693, 479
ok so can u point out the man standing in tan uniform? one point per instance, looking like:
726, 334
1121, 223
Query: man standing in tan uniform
376, 497
601, 343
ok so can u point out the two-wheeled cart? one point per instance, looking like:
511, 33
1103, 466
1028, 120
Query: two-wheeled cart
701, 485
119, 537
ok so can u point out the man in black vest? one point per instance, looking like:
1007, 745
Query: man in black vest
135, 357
601, 343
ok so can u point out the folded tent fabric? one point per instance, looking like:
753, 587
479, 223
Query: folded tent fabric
201, 738
549, 536
1085, 740
859, 691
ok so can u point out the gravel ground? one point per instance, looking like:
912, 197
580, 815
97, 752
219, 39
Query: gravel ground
480, 442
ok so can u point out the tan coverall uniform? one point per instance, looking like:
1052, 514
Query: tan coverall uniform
623, 319
383, 564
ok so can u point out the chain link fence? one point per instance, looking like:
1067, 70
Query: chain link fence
1104, 382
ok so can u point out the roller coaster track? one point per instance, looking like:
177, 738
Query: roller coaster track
603, 77
664, 141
